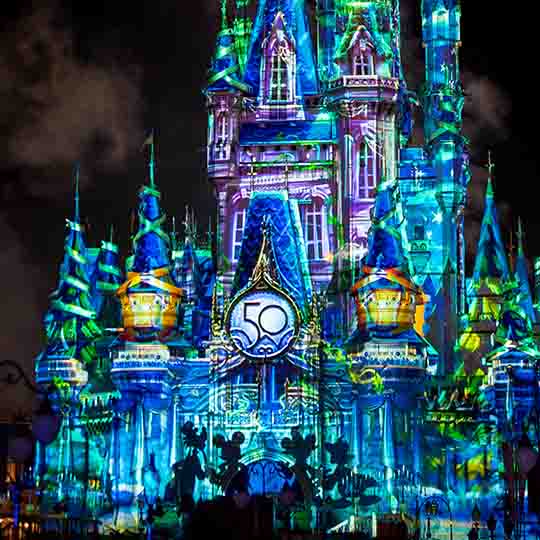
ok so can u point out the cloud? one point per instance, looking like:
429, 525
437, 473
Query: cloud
20, 339
55, 109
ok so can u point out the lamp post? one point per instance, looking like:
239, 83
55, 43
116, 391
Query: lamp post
44, 426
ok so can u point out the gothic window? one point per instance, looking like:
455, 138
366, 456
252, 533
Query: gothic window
366, 173
315, 230
239, 223
281, 74
363, 63
222, 128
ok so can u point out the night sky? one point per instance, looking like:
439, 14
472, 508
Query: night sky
83, 82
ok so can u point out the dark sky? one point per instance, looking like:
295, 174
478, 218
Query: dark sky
81, 82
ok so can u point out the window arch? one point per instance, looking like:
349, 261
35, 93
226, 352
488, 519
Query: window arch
315, 229
281, 74
222, 127
363, 63
238, 225
366, 172
362, 53
278, 68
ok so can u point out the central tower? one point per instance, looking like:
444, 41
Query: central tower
319, 123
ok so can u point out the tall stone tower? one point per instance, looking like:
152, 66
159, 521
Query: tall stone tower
443, 100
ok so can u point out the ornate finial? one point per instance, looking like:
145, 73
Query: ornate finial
111, 234
520, 237
223, 14
262, 267
491, 168
151, 163
77, 173
190, 227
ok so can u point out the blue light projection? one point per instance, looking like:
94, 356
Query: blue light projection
321, 347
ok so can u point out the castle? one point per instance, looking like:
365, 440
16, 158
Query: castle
324, 341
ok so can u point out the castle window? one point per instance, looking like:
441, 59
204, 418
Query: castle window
419, 232
363, 63
315, 230
364, 187
239, 223
222, 128
281, 74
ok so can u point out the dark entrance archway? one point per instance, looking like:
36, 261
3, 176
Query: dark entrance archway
267, 478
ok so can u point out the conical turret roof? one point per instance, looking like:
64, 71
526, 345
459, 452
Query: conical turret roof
491, 262
151, 244
70, 322
225, 68
522, 278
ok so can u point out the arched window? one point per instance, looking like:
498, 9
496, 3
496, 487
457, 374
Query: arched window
315, 230
239, 222
279, 84
280, 87
278, 68
366, 172
222, 128
362, 53
363, 62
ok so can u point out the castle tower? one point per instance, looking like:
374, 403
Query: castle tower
70, 322
364, 92
491, 277
264, 370
387, 352
443, 100
62, 368
141, 363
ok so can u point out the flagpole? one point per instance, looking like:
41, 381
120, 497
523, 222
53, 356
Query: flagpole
152, 163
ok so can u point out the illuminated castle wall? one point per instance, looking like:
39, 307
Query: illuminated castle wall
324, 340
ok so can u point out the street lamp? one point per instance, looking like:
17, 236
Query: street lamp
45, 421
44, 426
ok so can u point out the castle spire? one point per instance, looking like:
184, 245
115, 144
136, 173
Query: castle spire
151, 243
107, 279
225, 69
525, 297
387, 236
77, 172
491, 261
70, 321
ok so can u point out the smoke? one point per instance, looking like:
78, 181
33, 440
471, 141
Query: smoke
55, 109
19, 316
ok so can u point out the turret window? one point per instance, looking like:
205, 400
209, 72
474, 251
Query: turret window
281, 74
278, 68
364, 187
363, 63
222, 128
315, 230
238, 233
